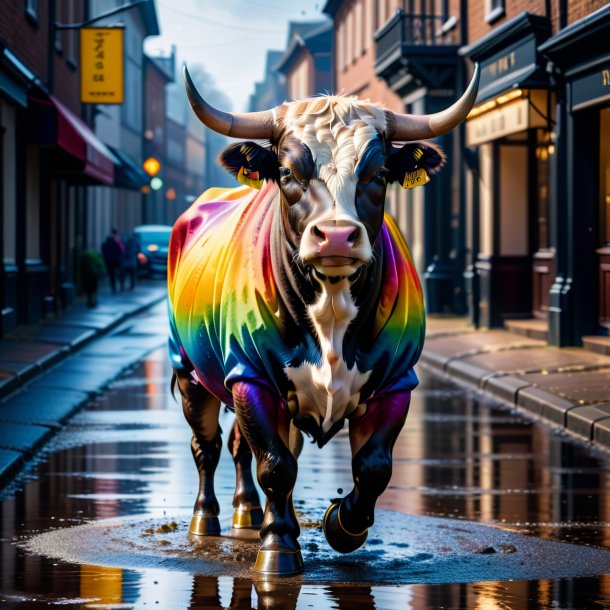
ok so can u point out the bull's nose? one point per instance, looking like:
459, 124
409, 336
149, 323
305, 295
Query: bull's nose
335, 236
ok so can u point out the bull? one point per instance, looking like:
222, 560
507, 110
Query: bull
294, 301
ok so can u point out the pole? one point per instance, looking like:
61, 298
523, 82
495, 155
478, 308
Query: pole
77, 26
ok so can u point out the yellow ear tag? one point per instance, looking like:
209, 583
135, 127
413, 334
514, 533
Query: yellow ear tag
418, 177
249, 178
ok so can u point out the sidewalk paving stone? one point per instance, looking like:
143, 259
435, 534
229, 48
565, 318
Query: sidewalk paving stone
102, 344
581, 387
601, 432
32, 352
505, 387
442, 326
23, 438
536, 359
40, 406
89, 319
442, 349
569, 387
545, 404
73, 336
10, 463
581, 420
61, 380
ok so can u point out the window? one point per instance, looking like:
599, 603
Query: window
31, 11
72, 34
349, 45
494, 10
340, 47
358, 30
604, 177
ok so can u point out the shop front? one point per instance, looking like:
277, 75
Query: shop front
510, 141
580, 297
60, 156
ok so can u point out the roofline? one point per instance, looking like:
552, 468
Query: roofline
331, 7
148, 13
298, 43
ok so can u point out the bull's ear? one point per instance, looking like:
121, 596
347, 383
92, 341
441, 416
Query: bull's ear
250, 163
411, 164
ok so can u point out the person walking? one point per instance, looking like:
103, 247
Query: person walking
91, 266
113, 250
130, 263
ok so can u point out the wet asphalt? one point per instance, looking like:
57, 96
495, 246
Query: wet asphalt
486, 509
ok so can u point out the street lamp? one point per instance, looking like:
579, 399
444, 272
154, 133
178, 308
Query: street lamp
151, 166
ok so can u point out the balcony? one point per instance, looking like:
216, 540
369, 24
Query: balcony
416, 46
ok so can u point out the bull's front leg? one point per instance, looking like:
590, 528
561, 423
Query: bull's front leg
201, 411
372, 437
265, 422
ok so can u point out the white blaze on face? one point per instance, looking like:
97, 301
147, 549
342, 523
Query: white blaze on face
338, 131
329, 391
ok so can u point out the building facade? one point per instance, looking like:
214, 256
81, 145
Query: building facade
122, 127
272, 90
416, 55
307, 62
158, 207
537, 170
49, 156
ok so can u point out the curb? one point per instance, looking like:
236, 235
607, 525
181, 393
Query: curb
586, 421
24, 427
48, 361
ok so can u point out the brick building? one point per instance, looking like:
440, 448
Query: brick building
510, 230
307, 61
48, 155
538, 181
416, 54
158, 73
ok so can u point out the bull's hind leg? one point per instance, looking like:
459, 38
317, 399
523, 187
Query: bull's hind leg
201, 412
246, 503
372, 437
265, 424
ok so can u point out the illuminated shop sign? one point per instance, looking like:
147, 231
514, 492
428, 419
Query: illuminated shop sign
512, 116
591, 89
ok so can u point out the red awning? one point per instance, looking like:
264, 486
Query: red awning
74, 136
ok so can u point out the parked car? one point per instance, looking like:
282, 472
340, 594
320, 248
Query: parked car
152, 244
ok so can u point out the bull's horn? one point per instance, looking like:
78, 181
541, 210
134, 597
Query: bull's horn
257, 125
414, 127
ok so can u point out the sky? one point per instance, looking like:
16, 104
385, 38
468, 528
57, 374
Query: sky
229, 37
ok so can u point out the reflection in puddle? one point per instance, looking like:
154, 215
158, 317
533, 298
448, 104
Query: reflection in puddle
458, 456
113, 589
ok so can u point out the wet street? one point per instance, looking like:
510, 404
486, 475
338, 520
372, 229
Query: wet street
479, 493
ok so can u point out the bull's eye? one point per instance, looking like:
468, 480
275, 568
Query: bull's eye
381, 175
285, 174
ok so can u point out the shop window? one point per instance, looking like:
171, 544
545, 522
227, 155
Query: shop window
494, 10
545, 148
604, 177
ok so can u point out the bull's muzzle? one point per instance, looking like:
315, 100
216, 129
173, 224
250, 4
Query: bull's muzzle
335, 244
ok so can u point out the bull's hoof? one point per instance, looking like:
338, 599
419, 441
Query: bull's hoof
248, 517
279, 562
204, 525
337, 536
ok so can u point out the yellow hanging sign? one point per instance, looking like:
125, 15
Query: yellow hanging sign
101, 65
